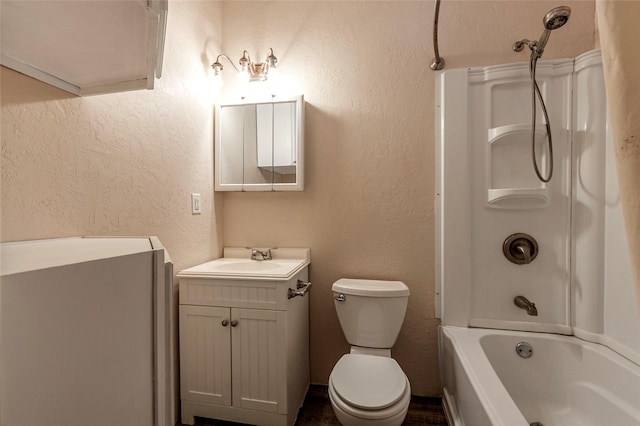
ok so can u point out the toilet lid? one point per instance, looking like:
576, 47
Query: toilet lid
367, 381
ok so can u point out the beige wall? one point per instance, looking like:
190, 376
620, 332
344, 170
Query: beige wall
367, 209
126, 163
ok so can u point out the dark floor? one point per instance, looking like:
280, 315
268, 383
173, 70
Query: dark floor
317, 411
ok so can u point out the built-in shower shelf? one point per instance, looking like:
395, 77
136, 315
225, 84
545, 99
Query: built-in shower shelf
514, 133
511, 183
518, 198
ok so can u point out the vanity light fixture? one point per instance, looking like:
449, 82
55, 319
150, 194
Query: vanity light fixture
249, 71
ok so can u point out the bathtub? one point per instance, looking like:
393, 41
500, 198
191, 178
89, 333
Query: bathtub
566, 381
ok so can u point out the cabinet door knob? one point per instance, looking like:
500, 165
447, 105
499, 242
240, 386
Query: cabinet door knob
225, 323
234, 323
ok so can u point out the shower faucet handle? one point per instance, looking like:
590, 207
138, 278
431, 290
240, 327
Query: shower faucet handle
520, 248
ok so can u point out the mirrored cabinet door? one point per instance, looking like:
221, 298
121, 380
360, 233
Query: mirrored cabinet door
229, 163
260, 146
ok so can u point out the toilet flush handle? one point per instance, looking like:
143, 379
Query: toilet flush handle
340, 297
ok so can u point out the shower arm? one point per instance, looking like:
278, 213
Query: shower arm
519, 45
536, 46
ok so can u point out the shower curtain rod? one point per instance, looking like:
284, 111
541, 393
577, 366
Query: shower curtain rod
438, 62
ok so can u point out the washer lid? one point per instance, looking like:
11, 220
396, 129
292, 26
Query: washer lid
367, 381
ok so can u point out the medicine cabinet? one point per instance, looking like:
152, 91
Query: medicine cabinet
85, 47
259, 146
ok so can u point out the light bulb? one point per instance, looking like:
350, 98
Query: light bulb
217, 81
217, 74
273, 74
243, 76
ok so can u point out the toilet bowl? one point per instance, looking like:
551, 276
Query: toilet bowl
367, 386
369, 390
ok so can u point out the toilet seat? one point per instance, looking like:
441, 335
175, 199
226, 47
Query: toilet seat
369, 387
391, 413
368, 382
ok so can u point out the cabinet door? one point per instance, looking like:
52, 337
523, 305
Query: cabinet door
259, 359
205, 354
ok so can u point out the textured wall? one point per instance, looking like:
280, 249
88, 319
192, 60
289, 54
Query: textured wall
367, 209
118, 164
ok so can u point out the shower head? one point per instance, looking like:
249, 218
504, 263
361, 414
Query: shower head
556, 17
553, 20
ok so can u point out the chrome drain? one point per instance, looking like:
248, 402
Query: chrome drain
525, 350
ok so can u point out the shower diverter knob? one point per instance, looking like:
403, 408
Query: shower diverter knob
520, 248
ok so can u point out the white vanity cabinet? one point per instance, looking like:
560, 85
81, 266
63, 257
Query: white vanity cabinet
244, 348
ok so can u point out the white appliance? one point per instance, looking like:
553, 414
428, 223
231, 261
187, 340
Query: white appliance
85, 332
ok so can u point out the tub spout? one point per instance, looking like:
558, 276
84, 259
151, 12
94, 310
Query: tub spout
523, 303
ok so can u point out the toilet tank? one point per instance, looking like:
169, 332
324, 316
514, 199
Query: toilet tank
371, 312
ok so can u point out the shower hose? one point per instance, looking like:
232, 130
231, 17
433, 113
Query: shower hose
535, 91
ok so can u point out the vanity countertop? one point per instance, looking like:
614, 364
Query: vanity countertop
237, 264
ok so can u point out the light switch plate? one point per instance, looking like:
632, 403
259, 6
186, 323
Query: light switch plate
196, 204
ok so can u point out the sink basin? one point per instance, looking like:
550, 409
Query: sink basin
245, 268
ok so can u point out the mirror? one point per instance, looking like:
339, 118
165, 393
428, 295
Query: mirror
260, 146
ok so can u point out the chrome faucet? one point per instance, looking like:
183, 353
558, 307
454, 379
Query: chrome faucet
260, 255
523, 303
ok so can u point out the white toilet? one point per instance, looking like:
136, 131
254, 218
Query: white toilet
367, 386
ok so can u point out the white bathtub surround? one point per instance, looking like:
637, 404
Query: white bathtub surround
567, 381
582, 279
488, 191
619, 33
